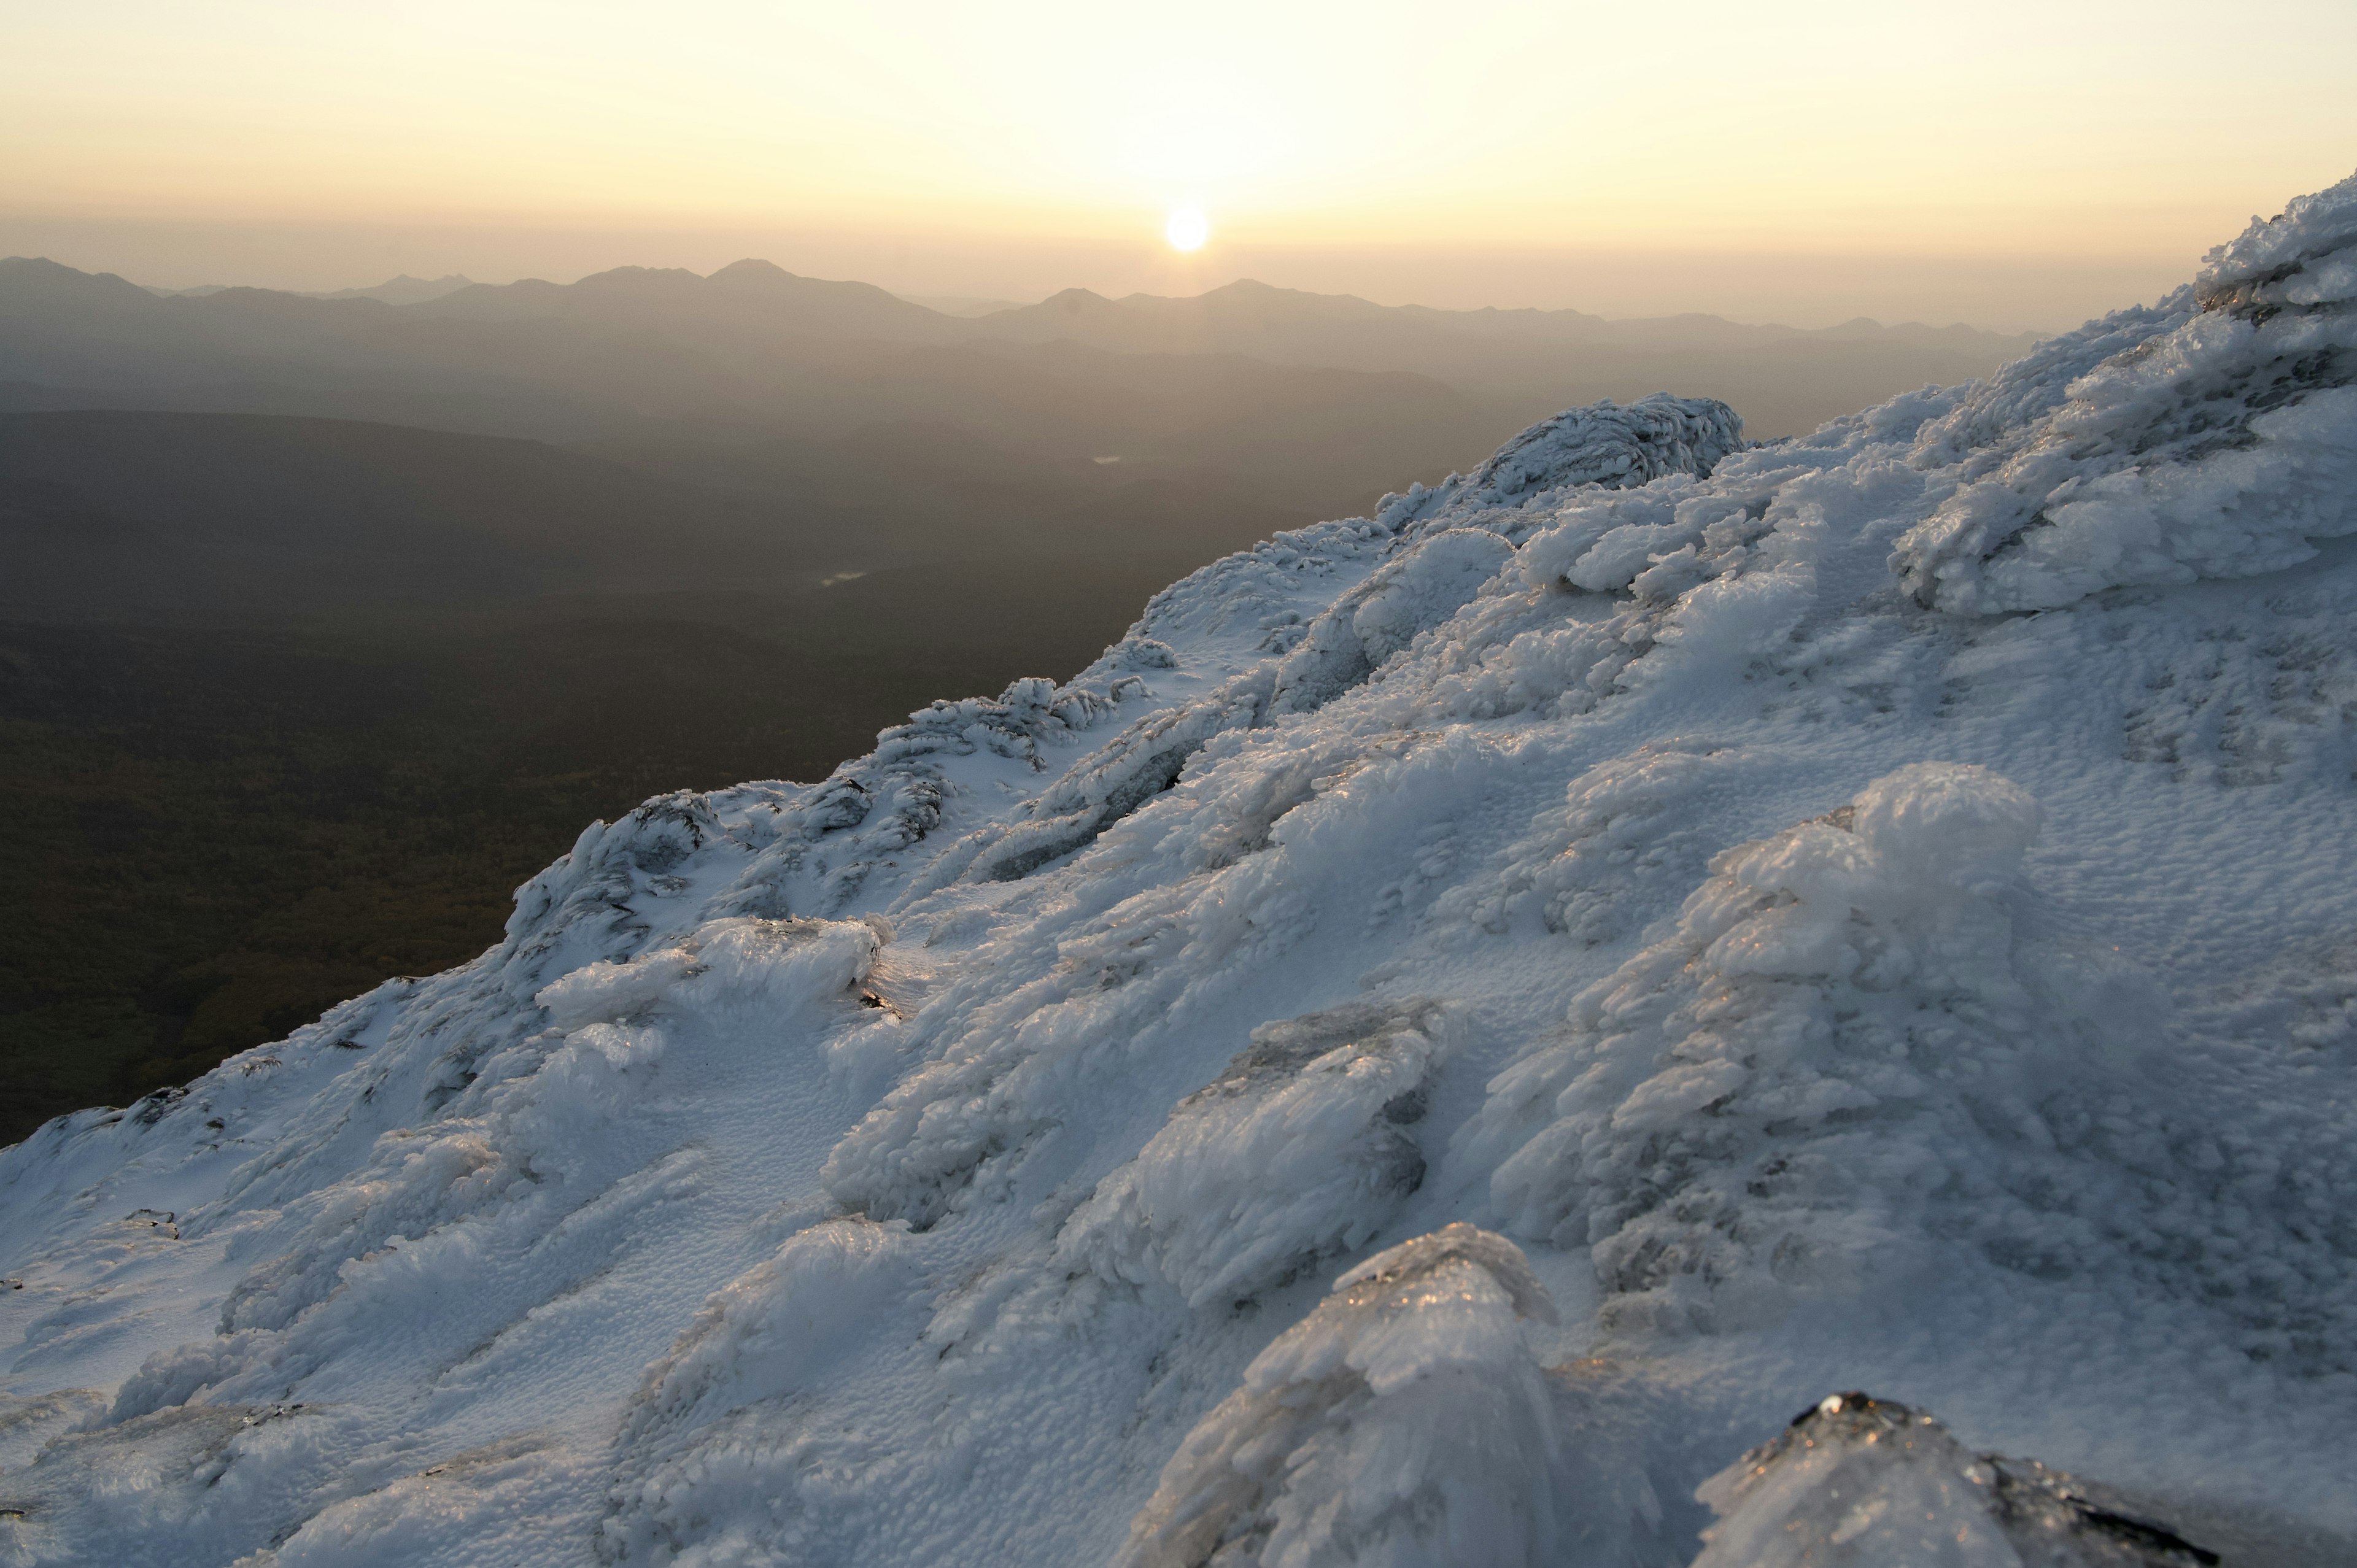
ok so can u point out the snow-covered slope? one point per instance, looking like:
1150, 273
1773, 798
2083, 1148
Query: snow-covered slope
1427, 1051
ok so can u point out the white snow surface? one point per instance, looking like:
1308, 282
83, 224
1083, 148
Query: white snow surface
1426, 1052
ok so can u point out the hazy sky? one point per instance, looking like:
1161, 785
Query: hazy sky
2005, 162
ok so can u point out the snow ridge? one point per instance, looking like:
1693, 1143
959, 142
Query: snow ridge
2221, 443
1871, 909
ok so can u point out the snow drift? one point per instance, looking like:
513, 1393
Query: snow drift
1427, 1051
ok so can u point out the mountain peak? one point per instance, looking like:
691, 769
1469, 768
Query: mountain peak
1064, 303
639, 278
752, 269
403, 289
31, 278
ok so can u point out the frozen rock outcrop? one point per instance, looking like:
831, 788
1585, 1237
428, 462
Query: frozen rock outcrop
1857, 1480
1303, 1147
1746, 1108
2219, 443
1403, 1422
1603, 443
1689, 1124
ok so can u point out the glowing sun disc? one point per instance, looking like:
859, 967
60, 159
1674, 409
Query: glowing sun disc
1187, 230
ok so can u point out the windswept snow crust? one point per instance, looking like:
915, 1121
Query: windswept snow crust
1427, 1052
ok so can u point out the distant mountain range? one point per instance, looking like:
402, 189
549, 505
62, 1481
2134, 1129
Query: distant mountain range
679, 368
399, 290
224, 450
1286, 326
1788, 379
753, 344
1293, 327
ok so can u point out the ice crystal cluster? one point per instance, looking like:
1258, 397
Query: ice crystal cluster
1427, 1052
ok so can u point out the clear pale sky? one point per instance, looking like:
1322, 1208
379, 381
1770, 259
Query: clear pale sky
2007, 163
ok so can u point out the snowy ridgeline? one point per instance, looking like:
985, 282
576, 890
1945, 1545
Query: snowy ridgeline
1427, 1052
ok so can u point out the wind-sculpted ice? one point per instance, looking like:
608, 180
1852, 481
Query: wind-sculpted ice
1861, 1047
701, 1441
911, 1167
1603, 443
1409, 596
1303, 1147
1617, 841
1714, 1121
2219, 443
875, 810
516, 1154
1404, 1422
1864, 1481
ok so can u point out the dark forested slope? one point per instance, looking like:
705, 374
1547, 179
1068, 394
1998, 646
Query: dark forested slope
287, 705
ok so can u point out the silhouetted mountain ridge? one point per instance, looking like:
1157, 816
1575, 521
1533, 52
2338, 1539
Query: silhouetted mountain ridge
1516, 353
751, 294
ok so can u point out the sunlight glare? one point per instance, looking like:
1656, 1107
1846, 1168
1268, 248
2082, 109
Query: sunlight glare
1187, 228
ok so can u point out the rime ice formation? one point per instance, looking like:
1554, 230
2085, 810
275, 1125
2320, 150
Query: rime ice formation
1856, 1480
1402, 1421
1834, 1068
2220, 440
1427, 1051
1303, 1147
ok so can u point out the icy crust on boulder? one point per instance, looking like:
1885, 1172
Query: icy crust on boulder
1301, 1148
1860, 1480
1412, 1419
1404, 1422
1860, 1047
1824, 980
1602, 443
2219, 441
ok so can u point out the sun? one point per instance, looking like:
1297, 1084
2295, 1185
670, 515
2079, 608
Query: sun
1187, 228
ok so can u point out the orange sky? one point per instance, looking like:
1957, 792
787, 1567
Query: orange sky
2012, 164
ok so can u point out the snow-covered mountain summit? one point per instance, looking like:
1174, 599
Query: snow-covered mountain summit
1427, 1051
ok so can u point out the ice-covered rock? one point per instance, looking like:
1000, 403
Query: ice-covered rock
1743, 1105
1859, 1048
2221, 443
1602, 443
1303, 1147
1860, 1480
1406, 1422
